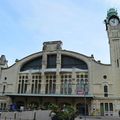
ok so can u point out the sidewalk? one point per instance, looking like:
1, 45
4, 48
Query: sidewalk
98, 118
88, 118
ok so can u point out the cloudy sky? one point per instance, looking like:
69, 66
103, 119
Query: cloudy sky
79, 24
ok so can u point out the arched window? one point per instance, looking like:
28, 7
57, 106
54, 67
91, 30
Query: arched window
33, 64
72, 62
105, 91
3, 89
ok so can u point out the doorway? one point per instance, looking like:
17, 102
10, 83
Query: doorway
80, 107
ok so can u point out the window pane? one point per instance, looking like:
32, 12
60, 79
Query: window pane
106, 106
102, 109
105, 88
51, 61
105, 94
111, 106
105, 91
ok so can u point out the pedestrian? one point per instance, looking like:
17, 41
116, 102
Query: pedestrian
52, 115
0, 114
119, 113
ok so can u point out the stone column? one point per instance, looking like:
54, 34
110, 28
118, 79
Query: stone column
43, 83
58, 78
30, 82
44, 65
73, 81
58, 82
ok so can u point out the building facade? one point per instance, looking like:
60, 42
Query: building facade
63, 77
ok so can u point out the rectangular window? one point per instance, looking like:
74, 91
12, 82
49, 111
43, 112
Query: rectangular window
39, 88
36, 83
102, 109
105, 91
106, 106
25, 89
111, 106
18, 88
32, 88
1, 105
22, 87
51, 61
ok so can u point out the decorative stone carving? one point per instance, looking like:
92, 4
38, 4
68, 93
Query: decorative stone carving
52, 45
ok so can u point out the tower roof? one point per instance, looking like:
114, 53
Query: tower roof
111, 12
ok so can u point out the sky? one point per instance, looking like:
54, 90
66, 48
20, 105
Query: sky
79, 24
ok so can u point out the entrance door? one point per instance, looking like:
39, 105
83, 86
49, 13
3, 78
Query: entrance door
81, 109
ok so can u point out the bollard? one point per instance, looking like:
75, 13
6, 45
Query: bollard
0, 115
5, 118
34, 117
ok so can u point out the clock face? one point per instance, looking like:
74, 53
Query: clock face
114, 21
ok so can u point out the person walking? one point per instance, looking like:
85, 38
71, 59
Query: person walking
119, 113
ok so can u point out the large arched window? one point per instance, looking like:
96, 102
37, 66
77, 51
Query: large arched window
71, 62
35, 63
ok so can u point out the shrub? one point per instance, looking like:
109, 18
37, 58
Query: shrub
65, 113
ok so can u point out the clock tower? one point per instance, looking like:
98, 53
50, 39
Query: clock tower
112, 23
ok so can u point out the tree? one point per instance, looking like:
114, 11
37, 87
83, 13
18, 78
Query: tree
65, 113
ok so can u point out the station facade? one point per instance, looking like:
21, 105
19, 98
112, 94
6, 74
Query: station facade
66, 77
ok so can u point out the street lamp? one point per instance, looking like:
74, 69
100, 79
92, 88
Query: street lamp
85, 84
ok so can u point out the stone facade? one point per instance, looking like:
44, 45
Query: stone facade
63, 77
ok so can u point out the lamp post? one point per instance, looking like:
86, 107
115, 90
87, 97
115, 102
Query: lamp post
85, 99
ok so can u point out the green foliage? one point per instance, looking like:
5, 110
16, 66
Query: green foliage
65, 113
53, 107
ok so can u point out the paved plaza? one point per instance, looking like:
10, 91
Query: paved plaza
44, 115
